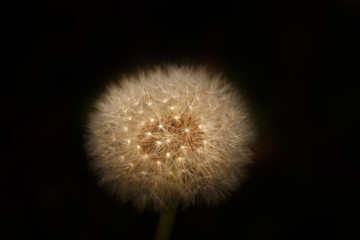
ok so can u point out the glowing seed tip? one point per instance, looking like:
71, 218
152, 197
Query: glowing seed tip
167, 155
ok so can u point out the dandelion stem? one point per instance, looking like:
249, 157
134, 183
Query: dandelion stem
165, 224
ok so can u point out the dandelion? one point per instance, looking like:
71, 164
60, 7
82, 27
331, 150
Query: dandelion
170, 136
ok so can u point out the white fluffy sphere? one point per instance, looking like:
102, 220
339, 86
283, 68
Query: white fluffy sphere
169, 136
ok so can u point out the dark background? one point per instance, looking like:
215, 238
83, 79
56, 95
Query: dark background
295, 61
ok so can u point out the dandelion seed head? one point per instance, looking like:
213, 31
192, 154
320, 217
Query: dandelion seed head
183, 145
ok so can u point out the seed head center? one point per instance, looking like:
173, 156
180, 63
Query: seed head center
171, 137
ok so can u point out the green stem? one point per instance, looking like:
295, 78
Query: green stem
165, 224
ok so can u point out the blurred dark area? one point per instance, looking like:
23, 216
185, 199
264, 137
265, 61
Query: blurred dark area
297, 62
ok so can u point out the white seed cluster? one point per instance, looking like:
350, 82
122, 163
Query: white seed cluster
169, 136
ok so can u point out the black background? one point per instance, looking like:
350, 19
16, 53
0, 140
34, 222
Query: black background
295, 61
